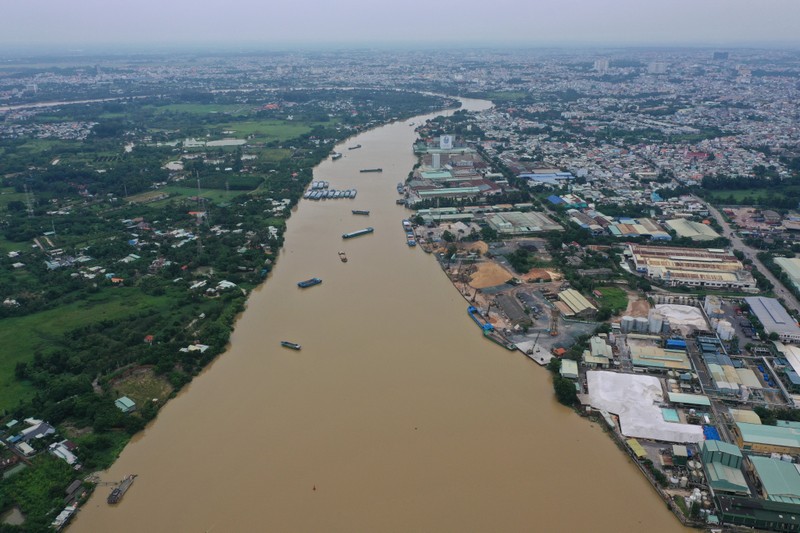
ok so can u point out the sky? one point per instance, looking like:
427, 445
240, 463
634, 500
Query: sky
153, 23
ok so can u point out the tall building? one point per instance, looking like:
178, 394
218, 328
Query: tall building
601, 65
720, 55
657, 67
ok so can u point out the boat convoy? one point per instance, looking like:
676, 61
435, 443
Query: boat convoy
319, 191
411, 239
309, 283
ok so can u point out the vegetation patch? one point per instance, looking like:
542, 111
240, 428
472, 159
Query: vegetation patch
142, 385
614, 298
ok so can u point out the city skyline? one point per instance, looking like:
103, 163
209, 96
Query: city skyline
44, 23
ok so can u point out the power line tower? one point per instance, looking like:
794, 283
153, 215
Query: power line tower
28, 200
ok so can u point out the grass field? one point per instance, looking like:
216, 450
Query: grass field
42, 330
267, 130
142, 386
613, 298
205, 109
755, 194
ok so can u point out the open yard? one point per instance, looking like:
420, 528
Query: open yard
267, 130
489, 275
142, 385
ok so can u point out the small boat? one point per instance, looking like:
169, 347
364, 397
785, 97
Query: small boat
356, 147
335, 156
371, 170
309, 283
292, 345
360, 212
343, 257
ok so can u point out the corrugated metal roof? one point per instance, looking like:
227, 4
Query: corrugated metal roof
769, 435
773, 316
781, 480
689, 399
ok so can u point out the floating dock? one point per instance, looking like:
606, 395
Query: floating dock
119, 491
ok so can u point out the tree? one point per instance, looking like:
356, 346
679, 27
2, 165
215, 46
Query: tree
773, 336
565, 390
447, 236
488, 234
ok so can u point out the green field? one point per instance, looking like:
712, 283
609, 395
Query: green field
204, 109
267, 130
721, 197
613, 298
42, 330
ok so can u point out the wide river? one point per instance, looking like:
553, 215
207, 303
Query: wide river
395, 416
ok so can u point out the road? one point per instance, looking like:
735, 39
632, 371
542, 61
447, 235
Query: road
750, 253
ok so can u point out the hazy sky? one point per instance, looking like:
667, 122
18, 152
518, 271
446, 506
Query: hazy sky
167, 22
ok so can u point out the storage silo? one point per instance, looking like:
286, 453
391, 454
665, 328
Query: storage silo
626, 324
642, 324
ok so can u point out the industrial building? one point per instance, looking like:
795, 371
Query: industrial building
767, 439
774, 318
697, 267
646, 352
643, 227
569, 369
519, 223
599, 353
513, 310
790, 265
697, 231
780, 480
575, 304
722, 463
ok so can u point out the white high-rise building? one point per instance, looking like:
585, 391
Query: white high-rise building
601, 65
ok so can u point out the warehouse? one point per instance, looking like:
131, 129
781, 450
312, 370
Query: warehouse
780, 480
519, 223
696, 231
774, 318
790, 265
694, 267
578, 305
767, 439
722, 463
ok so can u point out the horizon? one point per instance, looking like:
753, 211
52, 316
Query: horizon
44, 24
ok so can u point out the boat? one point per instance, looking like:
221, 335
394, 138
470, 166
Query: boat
356, 147
406, 224
371, 170
119, 491
411, 242
400, 201
353, 193
360, 212
335, 156
343, 257
358, 233
292, 345
309, 283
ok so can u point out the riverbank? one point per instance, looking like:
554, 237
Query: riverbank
371, 426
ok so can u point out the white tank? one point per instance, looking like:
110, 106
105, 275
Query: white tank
775, 456
655, 323
626, 324
684, 482
642, 324
787, 458
690, 464
673, 481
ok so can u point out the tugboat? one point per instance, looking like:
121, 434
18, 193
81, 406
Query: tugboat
343, 257
309, 283
290, 345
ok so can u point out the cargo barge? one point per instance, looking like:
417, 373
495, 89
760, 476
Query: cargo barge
290, 345
371, 170
119, 491
360, 212
356, 147
358, 233
309, 283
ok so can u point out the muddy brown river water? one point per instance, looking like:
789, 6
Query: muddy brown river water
396, 415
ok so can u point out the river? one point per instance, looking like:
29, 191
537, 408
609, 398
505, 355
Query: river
395, 416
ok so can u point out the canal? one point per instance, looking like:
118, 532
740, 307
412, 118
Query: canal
396, 415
